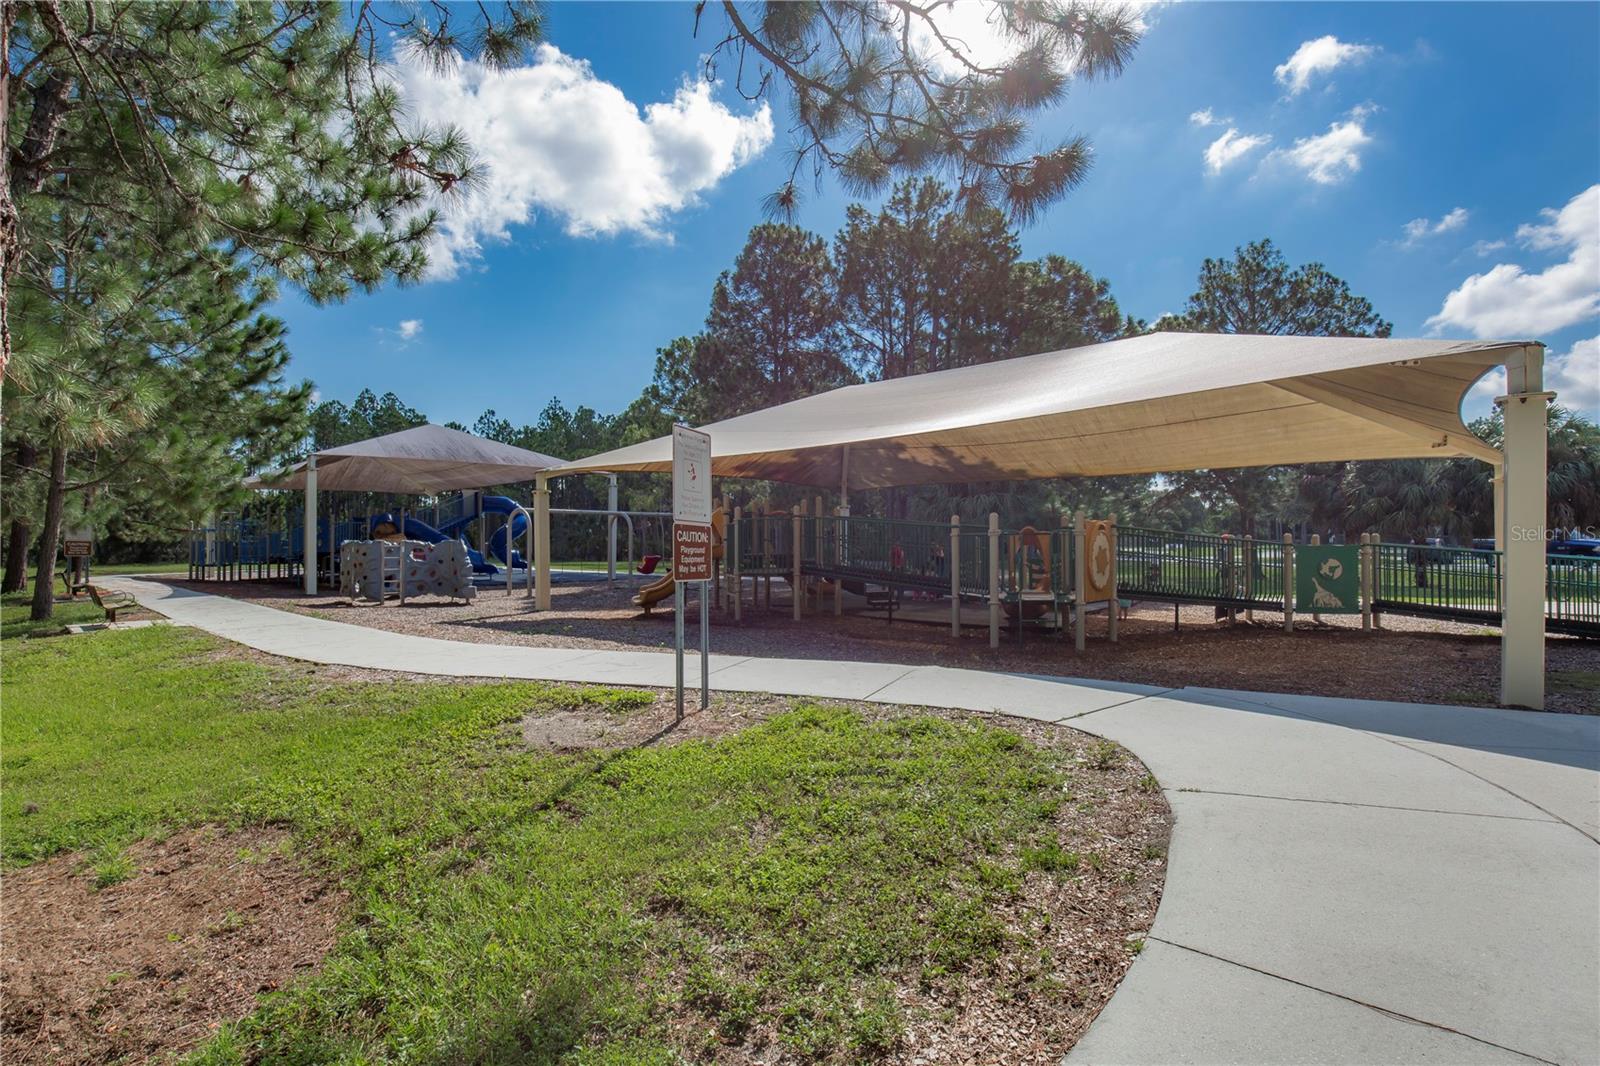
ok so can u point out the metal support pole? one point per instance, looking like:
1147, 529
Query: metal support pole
677, 645
309, 527
955, 575
994, 579
1288, 582
1079, 581
705, 647
611, 528
527, 573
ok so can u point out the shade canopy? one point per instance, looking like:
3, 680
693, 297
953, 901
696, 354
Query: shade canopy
420, 461
1162, 401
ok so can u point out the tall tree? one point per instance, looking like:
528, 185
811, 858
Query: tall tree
923, 284
1257, 291
334, 423
882, 90
157, 379
1057, 304
772, 332
271, 128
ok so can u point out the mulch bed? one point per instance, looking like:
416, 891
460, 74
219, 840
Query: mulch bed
1410, 660
153, 965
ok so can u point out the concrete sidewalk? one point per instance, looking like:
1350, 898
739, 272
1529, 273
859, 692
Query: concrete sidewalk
1349, 881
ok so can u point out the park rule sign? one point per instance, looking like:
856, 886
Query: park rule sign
691, 504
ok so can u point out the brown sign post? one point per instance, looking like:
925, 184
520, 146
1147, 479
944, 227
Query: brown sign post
691, 551
691, 543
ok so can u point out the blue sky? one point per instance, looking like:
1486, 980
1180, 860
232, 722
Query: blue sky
1442, 158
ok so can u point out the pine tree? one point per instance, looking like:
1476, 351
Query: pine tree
884, 90
272, 128
1258, 292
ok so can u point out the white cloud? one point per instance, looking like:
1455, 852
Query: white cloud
1507, 301
1230, 147
1573, 375
558, 139
1320, 56
1487, 247
1204, 118
408, 329
1329, 158
976, 30
1420, 228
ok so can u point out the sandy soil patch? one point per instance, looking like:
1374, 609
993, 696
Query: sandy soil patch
151, 966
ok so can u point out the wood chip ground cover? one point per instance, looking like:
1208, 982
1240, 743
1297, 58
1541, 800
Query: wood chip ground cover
1410, 660
769, 881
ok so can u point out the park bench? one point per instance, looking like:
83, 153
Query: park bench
111, 601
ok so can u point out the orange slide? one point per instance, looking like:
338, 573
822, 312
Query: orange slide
657, 591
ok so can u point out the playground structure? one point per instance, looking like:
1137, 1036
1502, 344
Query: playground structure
663, 587
1144, 405
266, 542
375, 570
1031, 576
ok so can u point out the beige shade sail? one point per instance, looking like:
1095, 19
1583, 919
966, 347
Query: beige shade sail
1163, 401
419, 461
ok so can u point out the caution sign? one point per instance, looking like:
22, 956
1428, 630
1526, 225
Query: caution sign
1327, 578
691, 551
1099, 563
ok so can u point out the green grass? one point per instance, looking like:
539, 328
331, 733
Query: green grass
177, 566
1579, 681
634, 906
16, 606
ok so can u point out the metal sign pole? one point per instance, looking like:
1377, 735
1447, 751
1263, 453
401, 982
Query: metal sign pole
677, 603
705, 647
693, 546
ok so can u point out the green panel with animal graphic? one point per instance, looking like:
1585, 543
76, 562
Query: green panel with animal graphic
1327, 578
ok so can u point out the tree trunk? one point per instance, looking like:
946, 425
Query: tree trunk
23, 170
16, 577
9, 240
44, 593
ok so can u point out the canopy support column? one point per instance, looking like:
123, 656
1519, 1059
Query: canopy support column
1525, 442
611, 528
844, 480
309, 516
541, 544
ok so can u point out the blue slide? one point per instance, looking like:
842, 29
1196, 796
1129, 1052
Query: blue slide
416, 529
497, 540
518, 528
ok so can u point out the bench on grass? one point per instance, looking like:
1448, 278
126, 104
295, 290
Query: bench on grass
111, 601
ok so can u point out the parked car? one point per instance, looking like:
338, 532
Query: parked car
1576, 547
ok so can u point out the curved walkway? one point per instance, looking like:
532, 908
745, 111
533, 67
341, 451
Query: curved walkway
1349, 881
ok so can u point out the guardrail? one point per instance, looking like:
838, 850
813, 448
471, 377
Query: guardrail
1436, 581
1162, 564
